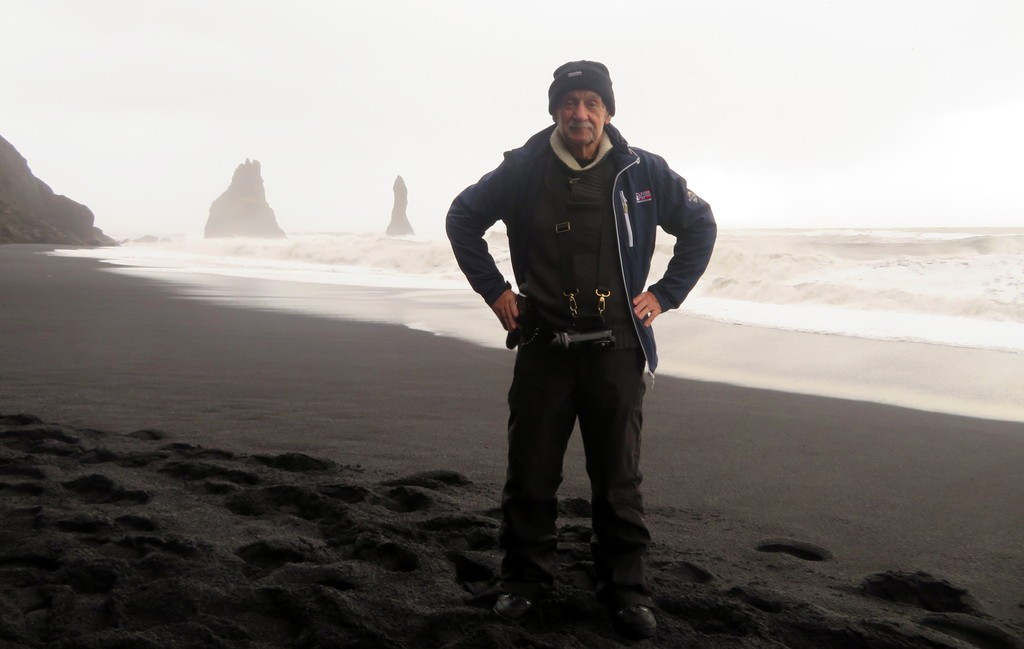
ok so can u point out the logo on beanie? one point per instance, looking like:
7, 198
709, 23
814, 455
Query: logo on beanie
644, 196
577, 73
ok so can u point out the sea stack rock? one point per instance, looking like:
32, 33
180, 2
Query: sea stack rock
31, 213
242, 210
399, 221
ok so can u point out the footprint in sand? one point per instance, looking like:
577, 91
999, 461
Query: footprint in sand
573, 553
144, 544
346, 493
204, 470
19, 420
270, 554
340, 577
21, 488
575, 508
102, 530
148, 434
459, 531
36, 431
295, 462
472, 566
20, 469
17, 468
295, 500
97, 488
763, 599
436, 480
29, 435
199, 452
406, 499
84, 524
128, 460
713, 615
686, 571
90, 577
386, 554
972, 630
799, 549
137, 523
27, 559
575, 534
920, 589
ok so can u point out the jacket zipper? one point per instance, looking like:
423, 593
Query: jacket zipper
622, 265
625, 214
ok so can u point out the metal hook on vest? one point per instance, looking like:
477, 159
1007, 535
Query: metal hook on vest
601, 299
572, 301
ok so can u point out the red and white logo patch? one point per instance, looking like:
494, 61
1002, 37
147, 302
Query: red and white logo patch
644, 196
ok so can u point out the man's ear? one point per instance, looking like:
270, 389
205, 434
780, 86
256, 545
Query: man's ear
607, 118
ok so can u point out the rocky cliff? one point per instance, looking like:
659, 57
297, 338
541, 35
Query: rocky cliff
242, 210
31, 213
399, 221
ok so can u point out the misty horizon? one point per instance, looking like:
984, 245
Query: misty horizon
795, 115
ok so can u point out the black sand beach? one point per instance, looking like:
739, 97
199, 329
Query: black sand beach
179, 473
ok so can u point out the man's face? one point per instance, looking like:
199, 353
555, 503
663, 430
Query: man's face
581, 116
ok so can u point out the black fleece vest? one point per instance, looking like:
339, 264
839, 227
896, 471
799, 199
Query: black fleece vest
583, 198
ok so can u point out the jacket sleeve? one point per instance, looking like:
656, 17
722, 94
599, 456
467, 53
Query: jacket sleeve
472, 213
689, 219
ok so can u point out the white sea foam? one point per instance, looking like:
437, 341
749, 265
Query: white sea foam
959, 288
950, 288
797, 310
352, 259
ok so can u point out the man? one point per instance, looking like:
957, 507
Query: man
581, 209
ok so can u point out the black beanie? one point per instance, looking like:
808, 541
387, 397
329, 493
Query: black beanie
582, 75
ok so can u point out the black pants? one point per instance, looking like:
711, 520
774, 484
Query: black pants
550, 390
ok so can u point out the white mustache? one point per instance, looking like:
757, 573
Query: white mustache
575, 124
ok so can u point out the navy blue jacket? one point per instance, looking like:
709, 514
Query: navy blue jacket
646, 194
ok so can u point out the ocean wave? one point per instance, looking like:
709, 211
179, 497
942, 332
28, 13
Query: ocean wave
761, 278
398, 254
971, 276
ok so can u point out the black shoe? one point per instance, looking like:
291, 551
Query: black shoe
635, 622
512, 607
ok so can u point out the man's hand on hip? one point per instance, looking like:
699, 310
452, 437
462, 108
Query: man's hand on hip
646, 307
507, 310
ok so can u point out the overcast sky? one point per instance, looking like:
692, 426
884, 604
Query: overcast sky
839, 113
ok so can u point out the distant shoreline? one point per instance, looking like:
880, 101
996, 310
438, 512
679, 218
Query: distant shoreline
959, 380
